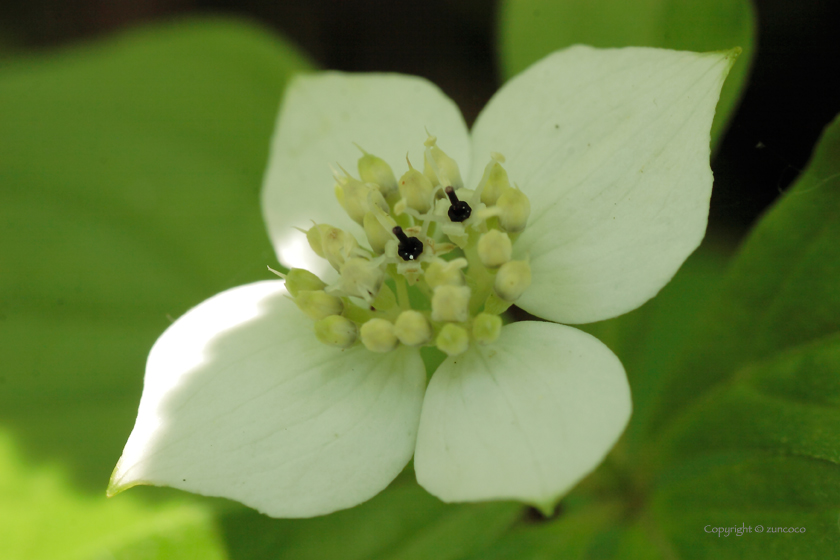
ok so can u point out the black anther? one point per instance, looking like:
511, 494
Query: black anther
460, 210
410, 247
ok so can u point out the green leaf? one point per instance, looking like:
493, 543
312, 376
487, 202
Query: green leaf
530, 29
130, 176
572, 537
404, 523
41, 518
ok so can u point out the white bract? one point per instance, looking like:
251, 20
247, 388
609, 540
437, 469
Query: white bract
582, 188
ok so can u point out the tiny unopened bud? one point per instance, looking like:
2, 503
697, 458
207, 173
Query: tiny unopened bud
336, 330
315, 237
451, 303
378, 335
416, 190
412, 328
336, 245
494, 248
318, 304
497, 183
453, 340
361, 278
376, 234
486, 328
376, 170
439, 167
358, 198
515, 208
512, 280
299, 279
445, 273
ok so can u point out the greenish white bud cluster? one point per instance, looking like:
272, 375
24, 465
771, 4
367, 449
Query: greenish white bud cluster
438, 267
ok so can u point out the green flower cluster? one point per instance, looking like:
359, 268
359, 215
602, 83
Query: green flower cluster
427, 234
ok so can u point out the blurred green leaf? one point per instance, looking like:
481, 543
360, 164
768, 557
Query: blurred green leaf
531, 29
404, 523
577, 532
130, 172
41, 518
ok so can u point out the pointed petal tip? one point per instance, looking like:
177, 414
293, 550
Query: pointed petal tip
547, 507
730, 56
120, 482
117, 485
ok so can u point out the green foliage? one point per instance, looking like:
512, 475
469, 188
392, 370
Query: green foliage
404, 523
530, 29
41, 518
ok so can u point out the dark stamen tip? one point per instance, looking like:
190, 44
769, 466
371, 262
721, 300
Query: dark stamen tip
459, 211
398, 231
410, 247
450, 192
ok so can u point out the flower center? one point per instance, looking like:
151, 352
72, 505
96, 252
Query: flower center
439, 268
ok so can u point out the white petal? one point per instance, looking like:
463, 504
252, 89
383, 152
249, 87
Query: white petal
524, 418
612, 148
241, 400
322, 115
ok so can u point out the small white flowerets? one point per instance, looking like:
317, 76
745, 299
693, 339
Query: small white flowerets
428, 235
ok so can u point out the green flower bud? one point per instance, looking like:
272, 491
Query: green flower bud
318, 304
412, 328
515, 209
361, 278
336, 330
445, 273
378, 336
439, 167
416, 190
336, 245
494, 248
376, 235
451, 303
486, 328
357, 198
497, 183
375, 170
512, 280
453, 340
299, 279
315, 236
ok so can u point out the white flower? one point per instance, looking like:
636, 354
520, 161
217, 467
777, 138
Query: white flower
611, 149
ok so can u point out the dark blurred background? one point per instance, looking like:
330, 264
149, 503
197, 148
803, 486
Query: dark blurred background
792, 94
